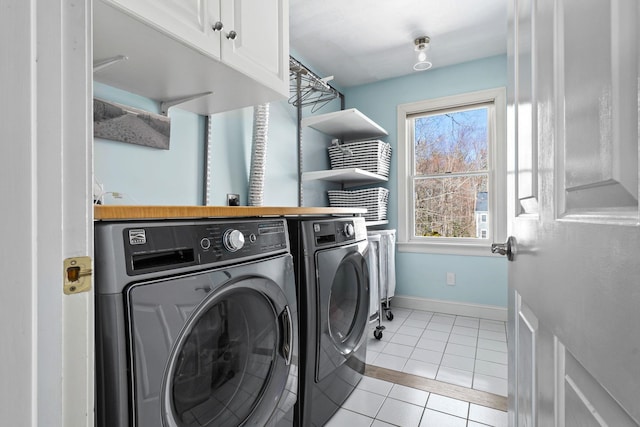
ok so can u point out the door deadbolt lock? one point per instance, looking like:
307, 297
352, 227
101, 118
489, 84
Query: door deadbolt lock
77, 275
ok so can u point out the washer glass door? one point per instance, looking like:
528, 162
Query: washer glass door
343, 291
228, 353
224, 360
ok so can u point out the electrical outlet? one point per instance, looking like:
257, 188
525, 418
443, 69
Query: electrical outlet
233, 199
451, 279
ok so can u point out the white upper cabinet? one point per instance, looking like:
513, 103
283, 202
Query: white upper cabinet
259, 45
238, 50
189, 21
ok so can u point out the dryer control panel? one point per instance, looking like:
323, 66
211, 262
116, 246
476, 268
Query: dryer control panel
153, 247
339, 231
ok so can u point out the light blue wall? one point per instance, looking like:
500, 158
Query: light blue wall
479, 280
232, 134
146, 175
231, 157
231, 147
150, 176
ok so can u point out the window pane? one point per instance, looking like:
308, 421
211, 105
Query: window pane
451, 142
451, 207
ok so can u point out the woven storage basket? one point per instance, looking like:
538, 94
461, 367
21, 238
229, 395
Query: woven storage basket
373, 199
372, 155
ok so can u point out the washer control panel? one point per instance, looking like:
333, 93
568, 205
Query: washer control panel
166, 246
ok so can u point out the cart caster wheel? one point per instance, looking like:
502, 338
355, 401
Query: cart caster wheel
389, 316
377, 334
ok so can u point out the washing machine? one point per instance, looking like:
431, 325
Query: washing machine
333, 304
196, 324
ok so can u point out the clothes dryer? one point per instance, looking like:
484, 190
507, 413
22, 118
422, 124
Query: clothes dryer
196, 324
333, 301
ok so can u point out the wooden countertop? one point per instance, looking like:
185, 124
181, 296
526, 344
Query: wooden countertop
121, 212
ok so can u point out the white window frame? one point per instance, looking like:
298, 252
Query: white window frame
407, 242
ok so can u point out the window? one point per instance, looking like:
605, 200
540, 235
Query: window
452, 173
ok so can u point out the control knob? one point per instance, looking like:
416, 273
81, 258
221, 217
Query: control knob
349, 230
233, 240
205, 243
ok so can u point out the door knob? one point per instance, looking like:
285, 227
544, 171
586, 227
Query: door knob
508, 248
232, 35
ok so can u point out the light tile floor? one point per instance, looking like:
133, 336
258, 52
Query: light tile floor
378, 403
466, 351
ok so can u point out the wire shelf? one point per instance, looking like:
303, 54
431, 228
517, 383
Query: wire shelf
308, 88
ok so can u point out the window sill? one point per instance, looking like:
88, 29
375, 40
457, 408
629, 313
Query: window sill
446, 248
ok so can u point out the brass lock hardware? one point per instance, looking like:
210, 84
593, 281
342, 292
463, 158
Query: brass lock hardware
77, 275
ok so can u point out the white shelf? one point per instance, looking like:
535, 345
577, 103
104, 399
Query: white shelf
349, 177
347, 125
376, 223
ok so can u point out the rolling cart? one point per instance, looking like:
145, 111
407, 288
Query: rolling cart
382, 273
375, 303
387, 276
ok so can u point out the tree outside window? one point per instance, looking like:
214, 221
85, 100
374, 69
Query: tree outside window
451, 173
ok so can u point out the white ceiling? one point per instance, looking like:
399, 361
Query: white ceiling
362, 41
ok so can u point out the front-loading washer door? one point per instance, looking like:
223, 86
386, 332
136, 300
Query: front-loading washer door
210, 350
343, 304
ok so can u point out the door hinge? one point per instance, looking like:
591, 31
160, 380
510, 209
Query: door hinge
77, 275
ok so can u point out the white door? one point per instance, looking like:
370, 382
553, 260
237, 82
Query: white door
256, 40
574, 284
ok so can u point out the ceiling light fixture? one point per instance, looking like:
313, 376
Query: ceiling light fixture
421, 48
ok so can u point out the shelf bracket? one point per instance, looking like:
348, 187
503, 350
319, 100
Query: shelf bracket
99, 65
165, 105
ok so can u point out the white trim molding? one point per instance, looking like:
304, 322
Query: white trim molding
444, 248
46, 155
489, 312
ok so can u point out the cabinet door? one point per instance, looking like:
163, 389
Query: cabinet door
260, 48
189, 21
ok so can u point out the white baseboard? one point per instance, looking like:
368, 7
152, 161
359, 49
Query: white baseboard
489, 312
